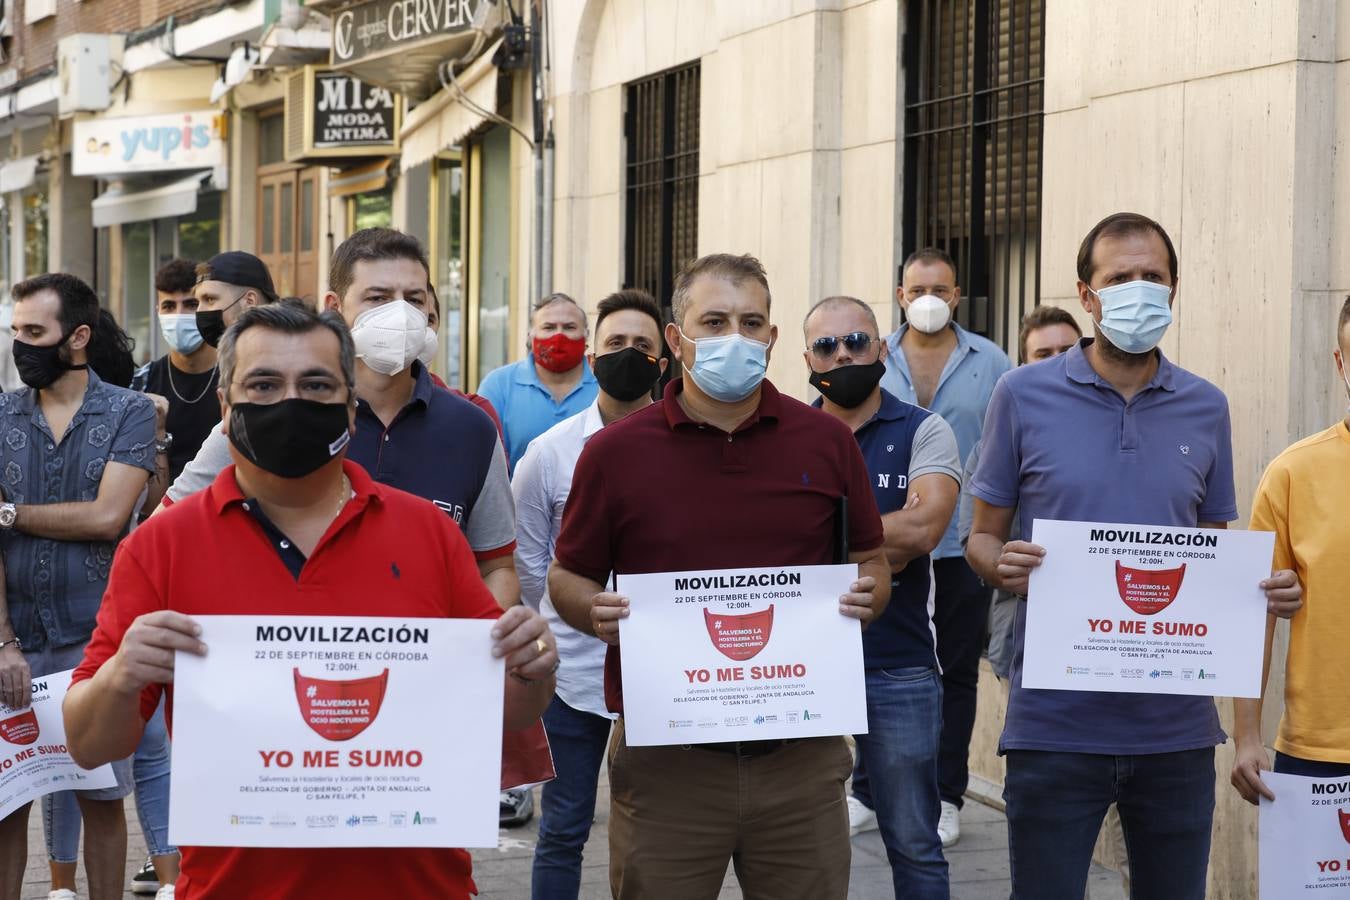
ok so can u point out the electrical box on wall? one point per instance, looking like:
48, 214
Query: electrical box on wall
84, 72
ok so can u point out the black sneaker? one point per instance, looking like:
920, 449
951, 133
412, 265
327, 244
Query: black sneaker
517, 808
145, 881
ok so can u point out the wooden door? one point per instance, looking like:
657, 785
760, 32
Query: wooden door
288, 230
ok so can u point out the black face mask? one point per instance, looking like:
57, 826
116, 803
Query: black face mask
627, 374
211, 323
849, 386
290, 438
40, 367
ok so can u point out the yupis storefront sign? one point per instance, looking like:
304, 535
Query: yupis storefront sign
120, 146
369, 28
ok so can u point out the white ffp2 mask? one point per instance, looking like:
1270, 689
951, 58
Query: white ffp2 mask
389, 337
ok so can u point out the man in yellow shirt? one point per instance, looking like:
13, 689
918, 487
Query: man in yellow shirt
1301, 499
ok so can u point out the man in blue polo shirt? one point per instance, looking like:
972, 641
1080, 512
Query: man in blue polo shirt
934, 363
549, 385
912, 462
1150, 446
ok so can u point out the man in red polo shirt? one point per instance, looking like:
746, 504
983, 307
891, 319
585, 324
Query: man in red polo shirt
749, 478
291, 529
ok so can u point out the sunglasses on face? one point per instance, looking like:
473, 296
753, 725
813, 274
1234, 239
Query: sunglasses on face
854, 342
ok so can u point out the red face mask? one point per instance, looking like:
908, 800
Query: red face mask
1345, 824
340, 710
20, 729
559, 353
1147, 591
739, 637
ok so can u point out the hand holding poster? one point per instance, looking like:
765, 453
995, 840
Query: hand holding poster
1305, 838
33, 756
740, 655
1147, 609
337, 732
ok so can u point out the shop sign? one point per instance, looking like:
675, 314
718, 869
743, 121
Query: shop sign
369, 28
337, 115
117, 146
351, 113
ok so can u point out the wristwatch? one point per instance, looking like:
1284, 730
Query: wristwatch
163, 445
8, 513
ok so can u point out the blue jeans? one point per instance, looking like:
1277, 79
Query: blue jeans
1311, 768
1056, 803
567, 808
61, 816
151, 767
897, 775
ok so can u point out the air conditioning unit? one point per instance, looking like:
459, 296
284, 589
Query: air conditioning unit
84, 71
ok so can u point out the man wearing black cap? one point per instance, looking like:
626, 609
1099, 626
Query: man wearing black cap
227, 284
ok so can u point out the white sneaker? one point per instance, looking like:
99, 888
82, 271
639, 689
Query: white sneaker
860, 818
949, 824
164, 893
62, 894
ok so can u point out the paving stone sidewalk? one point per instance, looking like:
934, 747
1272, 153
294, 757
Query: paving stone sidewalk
979, 862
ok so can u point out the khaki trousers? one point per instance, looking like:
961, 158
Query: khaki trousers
679, 814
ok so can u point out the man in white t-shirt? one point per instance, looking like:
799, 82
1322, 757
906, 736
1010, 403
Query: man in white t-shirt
627, 364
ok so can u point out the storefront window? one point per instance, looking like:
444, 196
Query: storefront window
373, 209
35, 230
450, 264
138, 286
199, 233
494, 297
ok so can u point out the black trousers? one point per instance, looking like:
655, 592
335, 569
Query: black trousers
960, 617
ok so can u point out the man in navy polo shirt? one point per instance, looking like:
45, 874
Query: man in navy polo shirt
409, 434
1150, 446
912, 459
724, 472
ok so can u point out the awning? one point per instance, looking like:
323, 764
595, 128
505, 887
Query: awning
444, 120
18, 174
371, 176
177, 198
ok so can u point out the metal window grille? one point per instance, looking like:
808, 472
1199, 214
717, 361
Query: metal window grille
661, 129
974, 111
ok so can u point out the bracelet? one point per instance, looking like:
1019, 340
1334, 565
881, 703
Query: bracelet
516, 675
18, 644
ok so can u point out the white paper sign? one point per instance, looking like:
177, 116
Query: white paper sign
337, 732
33, 756
740, 655
1305, 838
1147, 609
158, 143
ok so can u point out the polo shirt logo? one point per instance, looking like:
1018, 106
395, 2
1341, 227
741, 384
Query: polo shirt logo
454, 510
1185, 449
884, 480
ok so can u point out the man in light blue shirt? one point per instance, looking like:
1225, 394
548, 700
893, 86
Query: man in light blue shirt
934, 363
549, 385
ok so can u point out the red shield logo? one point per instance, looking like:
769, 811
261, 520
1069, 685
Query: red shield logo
21, 728
1345, 824
1148, 591
739, 637
340, 710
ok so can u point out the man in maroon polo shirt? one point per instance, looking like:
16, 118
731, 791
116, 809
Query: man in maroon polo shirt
750, 478
292, 528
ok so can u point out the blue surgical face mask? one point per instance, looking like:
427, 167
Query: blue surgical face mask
1135, 315
727, 368
180, 332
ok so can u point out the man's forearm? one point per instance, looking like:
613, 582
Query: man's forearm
89, 521
102, 723
1246, 710
982, 552
572, 595
908, 534
878, 567
503, 584
525, 703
